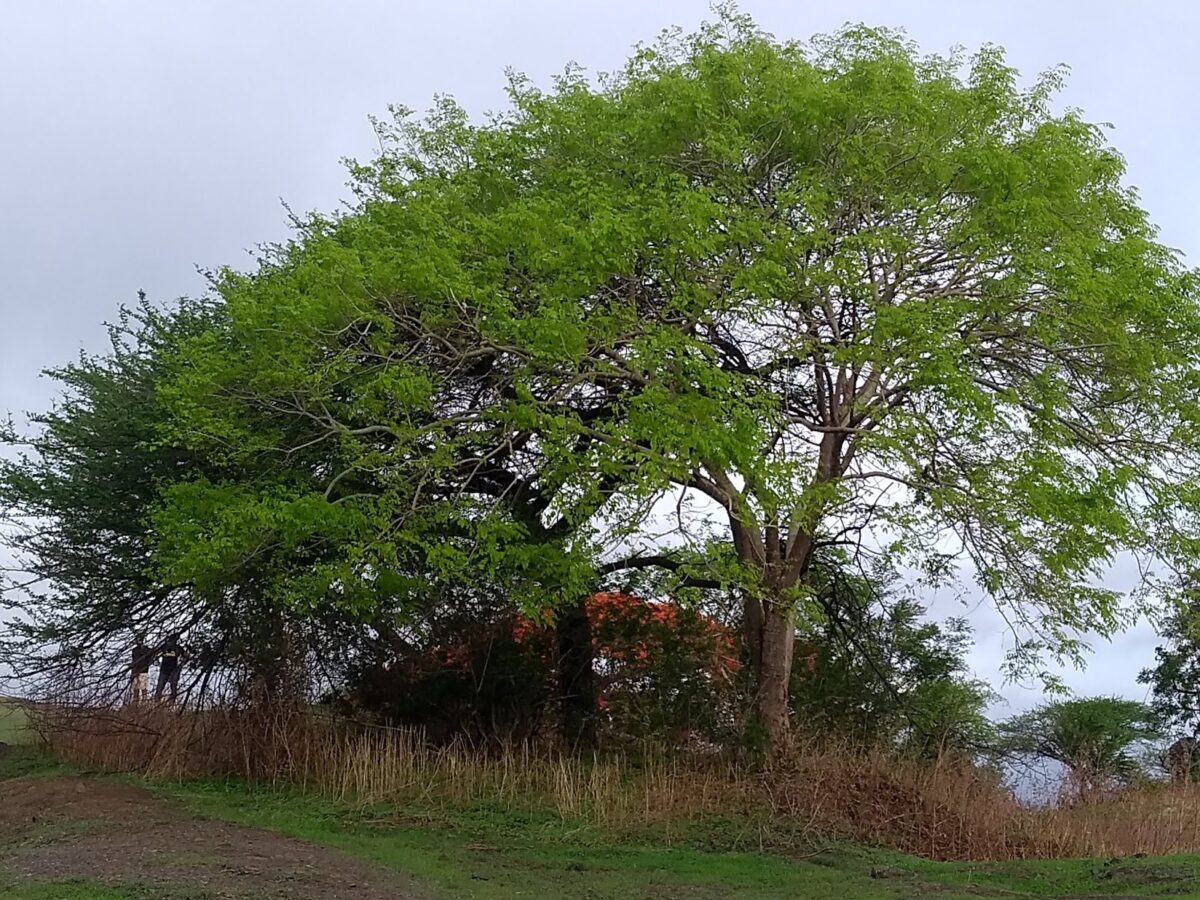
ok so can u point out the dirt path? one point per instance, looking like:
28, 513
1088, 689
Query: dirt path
52, 828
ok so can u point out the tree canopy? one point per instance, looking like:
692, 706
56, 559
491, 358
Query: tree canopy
80, 499
739, 306
77, 498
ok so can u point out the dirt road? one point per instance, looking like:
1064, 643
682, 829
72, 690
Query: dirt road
119, 834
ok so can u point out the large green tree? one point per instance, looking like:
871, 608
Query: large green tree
787, 297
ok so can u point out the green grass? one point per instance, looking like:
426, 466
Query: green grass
28, 759
62, 890
14, 724
484, 855
92, 890
1173, 876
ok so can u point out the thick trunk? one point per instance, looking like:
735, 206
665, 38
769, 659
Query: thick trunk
774, 671
752, 632
576, 675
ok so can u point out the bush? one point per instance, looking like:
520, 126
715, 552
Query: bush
665, 671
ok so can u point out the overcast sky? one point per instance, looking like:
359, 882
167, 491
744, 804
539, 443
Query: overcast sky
140, 140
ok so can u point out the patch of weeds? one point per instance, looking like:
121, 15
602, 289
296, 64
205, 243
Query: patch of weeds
22, 760
42, 834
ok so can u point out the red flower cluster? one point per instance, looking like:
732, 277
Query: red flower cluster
627, 629
632, 638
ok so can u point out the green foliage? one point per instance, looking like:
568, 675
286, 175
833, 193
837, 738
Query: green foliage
840, 294
1175, 678
842, 282
871, 668
1095, 737
84, 499
79, 495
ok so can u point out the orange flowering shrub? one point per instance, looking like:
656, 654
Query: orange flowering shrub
662, 670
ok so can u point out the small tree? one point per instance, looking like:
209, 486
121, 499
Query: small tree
1096, 738
477, 666
666, 670
80, 511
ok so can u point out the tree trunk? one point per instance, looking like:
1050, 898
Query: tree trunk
576, 675
752, 632
774, 672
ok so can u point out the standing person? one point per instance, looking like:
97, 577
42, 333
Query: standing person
168, 668
140, 670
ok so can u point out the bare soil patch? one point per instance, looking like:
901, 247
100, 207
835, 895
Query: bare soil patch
69, 827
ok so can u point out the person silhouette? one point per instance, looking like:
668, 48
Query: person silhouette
139, 670
168, 669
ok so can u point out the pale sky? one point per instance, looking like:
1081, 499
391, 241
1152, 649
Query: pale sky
141, 139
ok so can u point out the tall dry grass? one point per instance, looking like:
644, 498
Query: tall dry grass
947, 809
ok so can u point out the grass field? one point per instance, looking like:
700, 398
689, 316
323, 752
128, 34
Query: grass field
483, 854
477, 854
13, 723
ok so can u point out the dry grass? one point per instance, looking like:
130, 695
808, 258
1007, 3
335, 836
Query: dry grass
368, 764
944, 810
